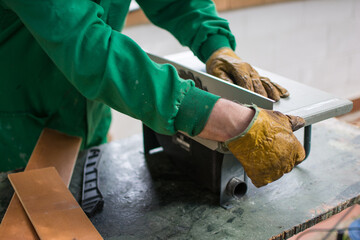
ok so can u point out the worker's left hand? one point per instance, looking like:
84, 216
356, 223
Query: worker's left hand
225, 64
268, 149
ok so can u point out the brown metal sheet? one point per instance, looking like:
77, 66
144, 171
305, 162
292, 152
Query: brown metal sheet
52, 149
55, 149
15, 224
52, 209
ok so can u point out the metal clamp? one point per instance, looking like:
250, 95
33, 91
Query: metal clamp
307, 140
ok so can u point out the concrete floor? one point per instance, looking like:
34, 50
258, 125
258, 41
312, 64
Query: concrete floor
315, 42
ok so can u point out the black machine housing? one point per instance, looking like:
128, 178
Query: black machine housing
219, 172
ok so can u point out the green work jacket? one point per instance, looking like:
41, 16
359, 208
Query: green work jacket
64, 63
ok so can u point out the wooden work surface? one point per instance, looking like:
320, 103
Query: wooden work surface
153, 200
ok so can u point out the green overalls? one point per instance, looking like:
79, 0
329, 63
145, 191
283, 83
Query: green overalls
63, 63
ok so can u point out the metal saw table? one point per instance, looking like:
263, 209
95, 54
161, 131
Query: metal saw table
212, 164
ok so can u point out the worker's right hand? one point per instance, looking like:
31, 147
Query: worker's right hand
225, 64
268, 149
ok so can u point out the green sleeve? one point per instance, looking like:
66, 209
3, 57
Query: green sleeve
107, 66
194, 23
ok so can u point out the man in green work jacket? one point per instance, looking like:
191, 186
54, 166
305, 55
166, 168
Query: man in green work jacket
64, 63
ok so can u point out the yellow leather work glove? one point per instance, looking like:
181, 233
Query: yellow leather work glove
225, 64
267, 148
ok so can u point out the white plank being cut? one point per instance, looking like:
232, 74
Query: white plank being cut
307, 102
310, 103
216, 85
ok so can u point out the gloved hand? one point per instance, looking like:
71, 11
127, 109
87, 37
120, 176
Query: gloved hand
225, 64
268, 149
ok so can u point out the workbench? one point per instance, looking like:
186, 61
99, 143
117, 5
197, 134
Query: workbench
151, 199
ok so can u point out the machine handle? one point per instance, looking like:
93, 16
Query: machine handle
91, 198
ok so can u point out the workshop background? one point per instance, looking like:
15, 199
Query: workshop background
315, 42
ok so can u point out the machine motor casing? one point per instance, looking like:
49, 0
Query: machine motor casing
219, 172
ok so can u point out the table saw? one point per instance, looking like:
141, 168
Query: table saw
208, 162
